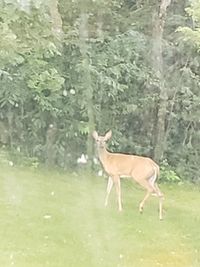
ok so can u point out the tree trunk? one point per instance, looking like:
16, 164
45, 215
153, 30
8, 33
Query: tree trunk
50, 142
158, 27
87, 81
56, 19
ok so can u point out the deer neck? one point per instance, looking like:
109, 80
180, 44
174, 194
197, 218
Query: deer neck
103, 155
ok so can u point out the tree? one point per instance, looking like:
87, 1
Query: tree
158, 28
67, 67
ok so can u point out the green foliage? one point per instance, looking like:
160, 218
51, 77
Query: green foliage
167, 174
99, 75
47, 79
191, 35
15, 157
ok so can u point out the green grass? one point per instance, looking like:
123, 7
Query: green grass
59, 220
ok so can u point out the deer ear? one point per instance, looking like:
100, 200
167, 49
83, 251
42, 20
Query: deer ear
95, 135
108, 135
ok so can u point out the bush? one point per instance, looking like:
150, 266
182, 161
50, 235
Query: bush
15, 157
167, 174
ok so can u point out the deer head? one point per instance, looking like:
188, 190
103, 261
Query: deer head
101, 140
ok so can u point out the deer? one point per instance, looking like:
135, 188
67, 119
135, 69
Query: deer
142, 170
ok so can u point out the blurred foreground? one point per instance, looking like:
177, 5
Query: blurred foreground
52, 219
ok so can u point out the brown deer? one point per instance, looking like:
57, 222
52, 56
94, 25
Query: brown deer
142, 169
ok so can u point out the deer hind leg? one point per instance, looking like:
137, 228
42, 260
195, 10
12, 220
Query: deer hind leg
152, 180
108, 190
158, 193
116, 180
149, 188
161, 198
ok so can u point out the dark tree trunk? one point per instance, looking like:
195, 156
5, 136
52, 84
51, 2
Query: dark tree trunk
158, 28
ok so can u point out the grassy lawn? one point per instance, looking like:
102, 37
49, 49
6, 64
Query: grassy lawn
59, 220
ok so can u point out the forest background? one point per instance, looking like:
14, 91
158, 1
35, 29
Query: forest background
69, 67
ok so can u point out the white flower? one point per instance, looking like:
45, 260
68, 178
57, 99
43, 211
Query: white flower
65, 92
100, 173
72, 91
11, 163
82, 159
95, 160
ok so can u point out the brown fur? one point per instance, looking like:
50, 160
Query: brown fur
142, 169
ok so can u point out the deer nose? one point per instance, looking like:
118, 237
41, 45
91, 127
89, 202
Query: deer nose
101, 144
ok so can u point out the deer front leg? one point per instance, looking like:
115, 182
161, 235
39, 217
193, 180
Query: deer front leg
109, 188
116, 180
